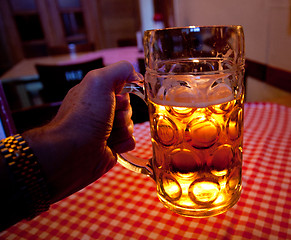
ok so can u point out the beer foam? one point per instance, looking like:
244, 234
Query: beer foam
191, 97
193, 104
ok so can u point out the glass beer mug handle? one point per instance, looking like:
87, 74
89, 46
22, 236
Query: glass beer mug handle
128, 160
135, 164
134, 87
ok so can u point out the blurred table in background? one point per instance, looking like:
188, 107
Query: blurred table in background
258, 91
25, 77
111, 55
25, 69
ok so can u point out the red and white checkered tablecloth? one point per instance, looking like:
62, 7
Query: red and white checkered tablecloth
123, 204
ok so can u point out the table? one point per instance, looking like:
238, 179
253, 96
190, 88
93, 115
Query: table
25, 69
123, 204
110, 56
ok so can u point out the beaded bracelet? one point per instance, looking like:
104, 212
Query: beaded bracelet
26, 172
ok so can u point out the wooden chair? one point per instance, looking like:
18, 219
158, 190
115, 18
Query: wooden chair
35, 116
139, 107
141, 66
7, 126
126, 42
58, 50
58, 79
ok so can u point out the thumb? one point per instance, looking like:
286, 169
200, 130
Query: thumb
116, 75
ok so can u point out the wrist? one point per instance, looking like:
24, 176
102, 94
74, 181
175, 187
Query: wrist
50, 148
64, 159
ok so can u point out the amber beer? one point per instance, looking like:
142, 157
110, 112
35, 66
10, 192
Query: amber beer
197, 156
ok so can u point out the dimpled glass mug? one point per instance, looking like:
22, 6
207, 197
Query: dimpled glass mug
195, 92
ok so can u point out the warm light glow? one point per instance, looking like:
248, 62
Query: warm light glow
219, 173
162, 109
185, 200
233, 129
172, 188
196, 154
205, 191
182, 110
220, 199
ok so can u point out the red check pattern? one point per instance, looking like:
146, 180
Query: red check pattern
123, 204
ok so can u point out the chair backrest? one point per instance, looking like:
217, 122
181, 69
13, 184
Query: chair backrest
58, 79
35, 116
126, 42
7, 127
141, 65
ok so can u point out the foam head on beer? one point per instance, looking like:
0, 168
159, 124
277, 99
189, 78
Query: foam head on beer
194, 91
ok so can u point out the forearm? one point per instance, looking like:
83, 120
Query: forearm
68, 161
27, 182
73, 150
26, 176
54, 152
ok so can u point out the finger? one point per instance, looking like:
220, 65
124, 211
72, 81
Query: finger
114, 76
123, 111
122, 118
121, 133
122, 102
120, 138
124, 146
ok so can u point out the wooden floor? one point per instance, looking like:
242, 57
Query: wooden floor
258, 91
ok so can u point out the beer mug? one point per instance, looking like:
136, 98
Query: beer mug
194, 89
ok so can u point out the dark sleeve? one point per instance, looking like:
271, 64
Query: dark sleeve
12, 208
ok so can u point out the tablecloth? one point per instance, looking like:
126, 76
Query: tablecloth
123, 204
